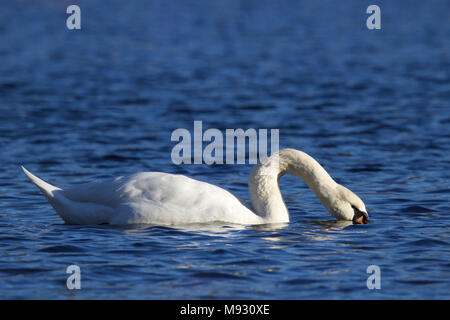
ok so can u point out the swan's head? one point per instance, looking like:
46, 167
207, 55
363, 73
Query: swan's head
348, 206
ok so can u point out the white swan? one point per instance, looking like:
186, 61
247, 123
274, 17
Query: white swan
170, 199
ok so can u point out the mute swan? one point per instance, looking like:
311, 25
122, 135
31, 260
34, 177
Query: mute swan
170, 199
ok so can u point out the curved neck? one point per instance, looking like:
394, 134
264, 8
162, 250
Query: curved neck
265, 193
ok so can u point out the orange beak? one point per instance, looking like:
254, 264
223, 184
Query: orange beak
361, 218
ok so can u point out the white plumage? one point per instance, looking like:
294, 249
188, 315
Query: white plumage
170, 199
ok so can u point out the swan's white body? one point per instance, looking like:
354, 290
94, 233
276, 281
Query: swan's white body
170, 199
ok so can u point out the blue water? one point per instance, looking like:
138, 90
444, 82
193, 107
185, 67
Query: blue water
371, 106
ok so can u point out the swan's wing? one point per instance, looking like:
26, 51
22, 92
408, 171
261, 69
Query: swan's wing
99, 192
81, 212
175, 199
89, 203
149, 197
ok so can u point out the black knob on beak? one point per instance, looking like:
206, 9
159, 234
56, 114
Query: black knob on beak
360, 217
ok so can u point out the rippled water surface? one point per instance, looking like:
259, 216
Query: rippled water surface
371, 106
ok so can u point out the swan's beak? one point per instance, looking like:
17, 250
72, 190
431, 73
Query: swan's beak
361, 217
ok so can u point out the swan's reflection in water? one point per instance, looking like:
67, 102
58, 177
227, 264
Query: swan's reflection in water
331, 224
269, 226
273, 233
304, 231
206, 229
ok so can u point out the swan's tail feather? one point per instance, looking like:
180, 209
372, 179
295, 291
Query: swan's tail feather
46, 188
71, 211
